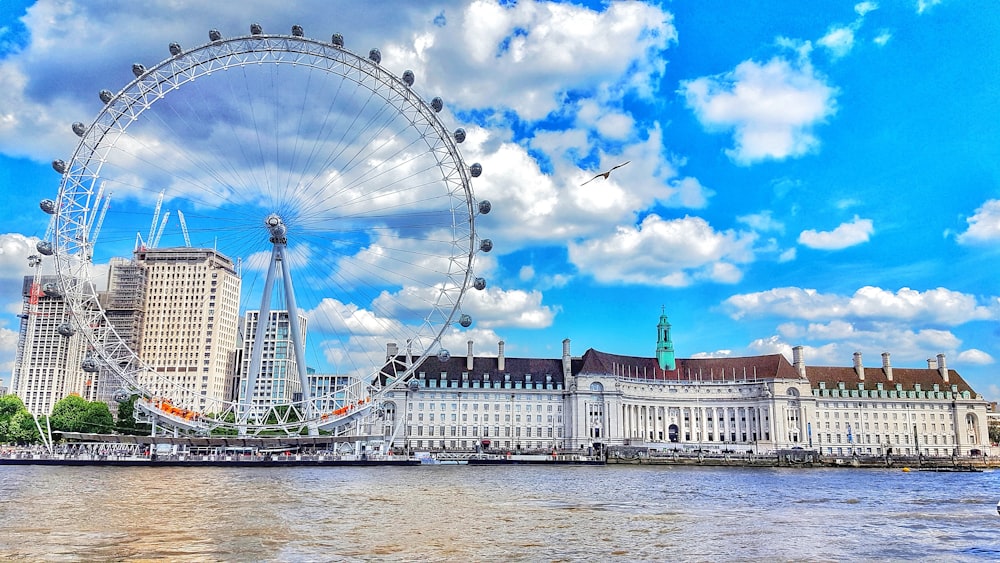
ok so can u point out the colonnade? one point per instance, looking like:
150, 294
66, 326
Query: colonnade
695, 423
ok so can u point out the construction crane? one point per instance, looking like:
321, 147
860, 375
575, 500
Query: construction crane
159, 232
156, 217
184, 228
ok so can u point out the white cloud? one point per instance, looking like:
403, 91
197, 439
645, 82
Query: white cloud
868, 303
839, 41
771, 108
863, 8
674, 253
882, 38
762, 222
975, 356
984, 225
925, 5
846, 235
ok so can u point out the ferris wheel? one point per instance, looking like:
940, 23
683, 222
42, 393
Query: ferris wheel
313, 180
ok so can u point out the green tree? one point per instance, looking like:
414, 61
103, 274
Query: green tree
69, 414
126, 419
22, 429
994, 432
17, 426
97, 418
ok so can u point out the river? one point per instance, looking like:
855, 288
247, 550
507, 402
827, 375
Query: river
512, 513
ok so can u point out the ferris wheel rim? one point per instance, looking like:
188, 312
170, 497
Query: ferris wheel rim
73, 252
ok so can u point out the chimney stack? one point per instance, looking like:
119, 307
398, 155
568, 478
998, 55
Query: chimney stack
942, 367
859, 367
391, 350
886, 366
931, 363
468, 358
798, 361
500, 359
567, 361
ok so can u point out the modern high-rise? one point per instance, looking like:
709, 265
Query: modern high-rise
190, 329
49, 351
278, 378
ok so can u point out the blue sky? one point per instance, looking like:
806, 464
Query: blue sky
822, 174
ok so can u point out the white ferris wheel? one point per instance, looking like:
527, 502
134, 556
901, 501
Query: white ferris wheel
333, 187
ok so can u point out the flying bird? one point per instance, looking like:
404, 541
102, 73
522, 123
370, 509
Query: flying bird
606, 173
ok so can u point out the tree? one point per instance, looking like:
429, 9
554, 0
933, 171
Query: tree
126, 418
22, 429
994, 432
97, 418
69, 414
17, 426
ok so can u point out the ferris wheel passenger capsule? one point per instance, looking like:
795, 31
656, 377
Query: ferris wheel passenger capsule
51, 290
486, 245
59, 166
375, 56
465, 321
476, 170
89, 365
297, 31
48, 206
408, 77
66, 330
479, 283
214, 35
44, 247
106, 95
256, 29
459, 135
175, 49
120, 396
138, 70
443, 355
79, 129
437, 104
485, 207
337, 40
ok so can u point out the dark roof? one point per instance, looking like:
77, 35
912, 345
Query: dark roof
517, 368
908, 377
771, 366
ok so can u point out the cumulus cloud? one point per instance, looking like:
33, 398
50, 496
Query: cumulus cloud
940, 305
984, 225
975, 356
674, 253
770, 108
846, 235
839, 41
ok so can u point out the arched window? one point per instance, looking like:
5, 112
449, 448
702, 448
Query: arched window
597, 387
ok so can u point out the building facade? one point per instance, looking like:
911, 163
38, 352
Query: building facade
190, 328
755, 404
278, 379
50, 352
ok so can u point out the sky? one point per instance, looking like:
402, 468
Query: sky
806, 174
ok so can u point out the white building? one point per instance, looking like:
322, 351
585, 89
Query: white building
752, 404
278, 380
191, 325
49, 351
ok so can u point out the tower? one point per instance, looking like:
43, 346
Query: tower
664, 346
190, 327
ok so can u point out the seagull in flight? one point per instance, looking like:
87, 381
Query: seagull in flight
606, 173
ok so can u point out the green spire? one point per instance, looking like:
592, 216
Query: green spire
664, 346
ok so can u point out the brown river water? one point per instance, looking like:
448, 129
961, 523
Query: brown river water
506, 513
